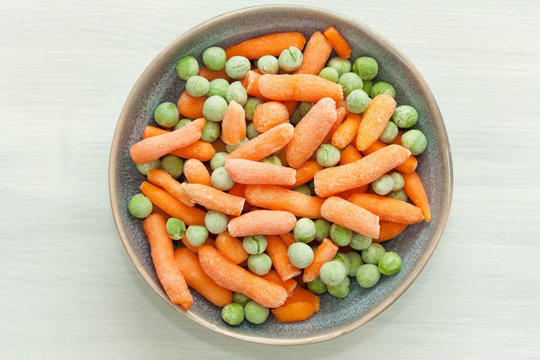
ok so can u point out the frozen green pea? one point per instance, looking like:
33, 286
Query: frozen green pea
272, 159
373, 254
350, 81
197, 86
332, 273
368, 275
210, 132
214, 108
356, 261
255, 244
329, 73
233, 314
360, 241
390, 263
251, 132
166, 115
173, 165
176, 228
389, 133
218, 87
218, 160
405, 116
216, 222
240, 298
290, 59
398, 195
214, 58
231, 148
340, 235
145, 168
304, 230
358, 101
250, 106
368, 84
187, 67
303, 189
300, 255
255, 313
182, 123
344, 259
268, 64
399, 182
236, 92
415, 141
366, 67
317, 286
328, 155
322, 229
259, 264
382, 88
237, 67
139, 206
341, 65
341, 290
383, 185
196, 235
221, 180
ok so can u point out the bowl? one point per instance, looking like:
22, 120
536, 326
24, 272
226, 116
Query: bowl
159, 83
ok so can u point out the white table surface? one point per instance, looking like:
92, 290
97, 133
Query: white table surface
68, 289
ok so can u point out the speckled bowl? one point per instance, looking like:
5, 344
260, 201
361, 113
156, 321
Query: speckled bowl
159, 83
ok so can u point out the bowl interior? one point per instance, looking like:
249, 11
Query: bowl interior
159, 83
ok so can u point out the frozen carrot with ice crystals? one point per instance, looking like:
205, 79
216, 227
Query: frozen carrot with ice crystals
269, 115
416, 192
251, 83
277, 250
351, 216
162, 179
191, 106
288, 239
297, 311
299, 87
214, 199
323, 254
316, 54
278, 198
301, 294
347, 131
349, 154
195, 249
273, 276
407, 166
253, 172
200, 150
262, 222
389, 230
231, 248
338, 42
233, 127
305, 173
196, 172
340, 115
388, 209
265, 144
375, 118
271, 44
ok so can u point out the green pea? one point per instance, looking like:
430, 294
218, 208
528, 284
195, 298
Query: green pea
182, 123
196, 235
382, 88
405, 116
221, 180
255, 313
368, 84
340, 235
197, 86
344, 259
216, 222
255, 244
399, 182
398, 195
390, 263
332, 273
366, 67
341, 290
415, 141
214, 58
304, 108
251, 132
214, 108
304, 230
210, 132
250, 106
272, 159
166, 115
295, 116
323, 229
176, 228
259, 264
303, 189
237, 67
173, 165
236, 92
145, 168
329, 73
231, 148
328, 155
218, 160
356, 261
268, 64
368, 275
341, 65
311, 185
373, 254
360, 242
218, 87
139, 206
233, 314
300, 255
317, 286
240, 298
358, 101
187, 67
350, 81
383, 185
290, 59
389, 133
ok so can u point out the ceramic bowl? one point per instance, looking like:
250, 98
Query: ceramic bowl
159, 83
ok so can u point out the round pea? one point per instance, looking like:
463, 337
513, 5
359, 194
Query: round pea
173, 165
145, 168
304, 230
218, 87
322, 229
214, 108
398, 195
197, 86
237, 67
214, 58
290, 59
344, 259
341, 290
341, 65
187, 67
210, 132
255, 313
373, 254
389, 133
221, 180
231, 148
166, 115
250, 106
303, 189
236, 92
328, 155
218, 160
356, 261
340, 235
399, 182
366, 67
240, 298
405, 116
367, 275
368, 84
390, 263
196, 235
332, 273
329, 73
272, 159
255, 244
176, 228
268, 64
232, 314
350, 81
300, 255
251, 132
216, 222
139, 206
182, 123
383, 185
259, 264
317, 286
382, 88
360, 242
358, 101
415, 141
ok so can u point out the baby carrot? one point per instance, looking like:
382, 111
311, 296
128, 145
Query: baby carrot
273, 276
310, 132
305, 173
389, 230
269, 115
233, 127
214, 199
251, 84
210, 74
155, 147
340, 115
288, 239
200, 150
347, 131
351, 216
343, 105
172, 206
316, 54
167, 270
162, 179
198, 280
278, 198
374, 120
196, 172
156, 210
408, 165
349, 154
338, 42
233, 277
297, 311
237, 189
290, 105
299, 87
271, 44
301, 294
331, 181
262, 222
195, 249
277, 250
388, 209
231, 248
265, 144
348, 193
416, 192
190, 106
254, 172
323, 254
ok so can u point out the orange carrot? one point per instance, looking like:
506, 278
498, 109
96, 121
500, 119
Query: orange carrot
416, 192
323, 254
269, 115
278, 198
347, 131
316, 54
167, 270
210, 74
389, 230
349, 154
388, 209
233, 127
251, 84
290, 105
162, 179
297, 311
301, 294
310, 132
231, 248
214, 199
288, 239
233, 277
338, 42
343, 104
408, 166
305, 173
265, 144
273, 276
200, 150
198, 280
156, 210
333, 180
190, 106
397, 140
172, 206
262, 222
299, 87
374, 121
195, 249
155, 147
351, 216
238, 190
339, 119
271, 44
254, 172
196, 172
277, 250
348, 193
